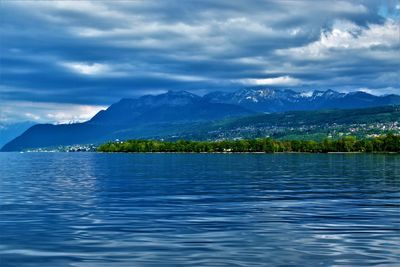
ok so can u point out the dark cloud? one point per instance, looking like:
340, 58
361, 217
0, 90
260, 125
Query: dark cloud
94, 53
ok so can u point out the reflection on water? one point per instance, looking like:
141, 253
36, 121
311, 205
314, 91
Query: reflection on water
88, 209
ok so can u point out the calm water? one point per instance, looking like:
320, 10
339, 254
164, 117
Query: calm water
88, 209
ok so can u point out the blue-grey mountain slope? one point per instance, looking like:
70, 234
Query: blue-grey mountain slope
173, 113
9, 131
142, 117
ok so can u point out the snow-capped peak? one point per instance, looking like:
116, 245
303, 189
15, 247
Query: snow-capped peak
306, 94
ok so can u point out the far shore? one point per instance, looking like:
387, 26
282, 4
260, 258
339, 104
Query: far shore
348, 144
256, 152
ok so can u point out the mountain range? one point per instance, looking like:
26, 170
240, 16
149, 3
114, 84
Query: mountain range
9, 131
270, 100
175, 112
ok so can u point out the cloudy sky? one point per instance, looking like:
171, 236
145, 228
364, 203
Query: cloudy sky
64, 60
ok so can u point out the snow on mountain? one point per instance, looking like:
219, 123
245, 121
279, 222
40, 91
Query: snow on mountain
273, 100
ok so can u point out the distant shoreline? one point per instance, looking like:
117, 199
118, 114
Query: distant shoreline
384, 144
233, 153
188, 152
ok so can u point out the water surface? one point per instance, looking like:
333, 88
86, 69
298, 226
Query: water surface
91, 209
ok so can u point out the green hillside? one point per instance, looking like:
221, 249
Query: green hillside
299, 125
386, 143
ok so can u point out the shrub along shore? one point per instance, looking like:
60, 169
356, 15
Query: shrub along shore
387, 143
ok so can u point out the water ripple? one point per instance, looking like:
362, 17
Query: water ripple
88, 209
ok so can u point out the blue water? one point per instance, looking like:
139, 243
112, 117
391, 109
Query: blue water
90, 209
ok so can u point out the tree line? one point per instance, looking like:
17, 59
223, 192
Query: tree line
386, 143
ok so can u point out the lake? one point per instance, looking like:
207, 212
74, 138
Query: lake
94, 209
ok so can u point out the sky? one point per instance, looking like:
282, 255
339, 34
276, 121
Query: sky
63, 61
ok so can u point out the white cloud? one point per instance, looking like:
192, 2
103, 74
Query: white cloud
138, 27
282, 80
98, 8
347, 7
48, 112
346, 35
31, 116
87, 68
78, 113
176, 77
